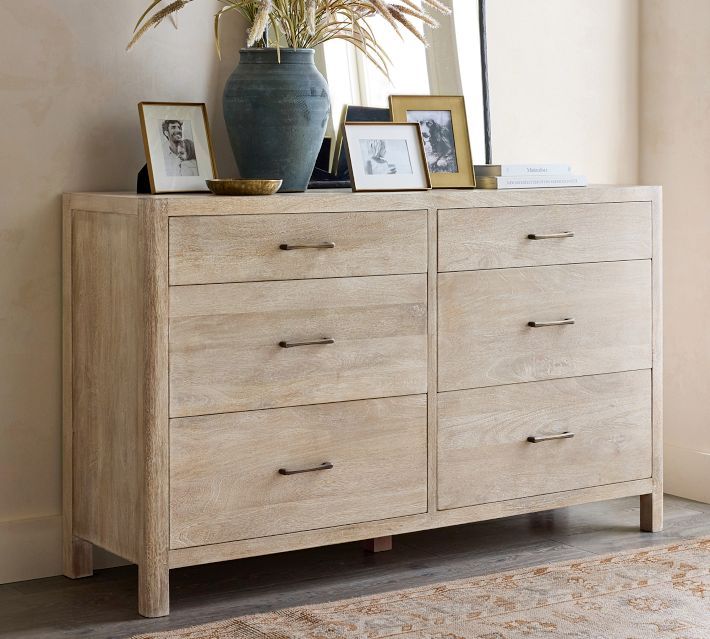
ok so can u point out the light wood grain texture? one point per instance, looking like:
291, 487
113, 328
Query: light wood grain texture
116, 420
497, 238
485, 340
484, 454
153, 570
77, 554
101, 203
353, 532
432, 377
106, 356
225, 353
340, 200
651, 517
378, 544
224, 469
652, 504
243, 248
191, 350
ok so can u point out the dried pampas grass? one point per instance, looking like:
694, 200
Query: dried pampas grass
304, 24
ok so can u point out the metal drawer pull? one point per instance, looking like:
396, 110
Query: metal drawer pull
563, 322
322, 340
323, 466
550, 236
536, 439
314, 245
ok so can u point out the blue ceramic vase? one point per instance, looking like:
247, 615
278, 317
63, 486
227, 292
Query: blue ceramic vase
276, 114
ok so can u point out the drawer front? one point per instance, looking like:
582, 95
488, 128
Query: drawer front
483, 238
225, 352
224, 469
244, 248
484, 454
484, 336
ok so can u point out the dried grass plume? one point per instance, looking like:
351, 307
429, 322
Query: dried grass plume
304, 24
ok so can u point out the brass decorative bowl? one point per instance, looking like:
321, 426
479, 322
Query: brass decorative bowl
244, 187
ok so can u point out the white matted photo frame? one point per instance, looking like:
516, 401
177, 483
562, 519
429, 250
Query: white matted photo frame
178, 146
386, 156
444, 133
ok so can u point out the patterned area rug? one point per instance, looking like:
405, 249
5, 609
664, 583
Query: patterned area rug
657, 593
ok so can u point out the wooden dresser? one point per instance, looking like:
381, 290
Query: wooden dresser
245, 376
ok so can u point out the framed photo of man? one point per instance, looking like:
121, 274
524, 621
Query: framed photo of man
442, 119
178, 147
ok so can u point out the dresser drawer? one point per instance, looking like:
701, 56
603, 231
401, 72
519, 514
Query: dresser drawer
226, 480
485, 338
236, 346
243, 248
484, 454
483, 238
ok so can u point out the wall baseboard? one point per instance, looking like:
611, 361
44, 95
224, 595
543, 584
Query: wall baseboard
686, 473
32, 548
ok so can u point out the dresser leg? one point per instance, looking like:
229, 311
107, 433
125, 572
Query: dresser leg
378, 544
78, 558
652, 512
154, 590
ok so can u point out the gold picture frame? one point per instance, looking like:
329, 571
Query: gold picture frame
166, 173
445, 136
401, 163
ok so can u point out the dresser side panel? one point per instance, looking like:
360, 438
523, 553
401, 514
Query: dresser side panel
107, 346
77, 554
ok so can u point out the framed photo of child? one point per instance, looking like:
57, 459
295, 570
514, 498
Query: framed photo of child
383, 156
178, 147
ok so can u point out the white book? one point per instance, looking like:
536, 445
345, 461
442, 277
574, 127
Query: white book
495, 170
530, 182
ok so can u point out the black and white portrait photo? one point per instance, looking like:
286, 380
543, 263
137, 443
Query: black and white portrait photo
178, 148
438, 137
385, 157
177, 144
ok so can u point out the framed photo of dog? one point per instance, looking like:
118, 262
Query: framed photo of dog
447, 148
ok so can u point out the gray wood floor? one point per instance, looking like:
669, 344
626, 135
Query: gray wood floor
104, 605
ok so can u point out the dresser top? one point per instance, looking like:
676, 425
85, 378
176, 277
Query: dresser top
337, 200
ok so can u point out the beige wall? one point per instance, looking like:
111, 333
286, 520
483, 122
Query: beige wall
68, 94
564, 80
564, 84
675, 152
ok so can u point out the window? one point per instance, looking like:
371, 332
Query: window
449, 66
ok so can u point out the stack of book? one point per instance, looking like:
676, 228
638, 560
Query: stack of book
526, 176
